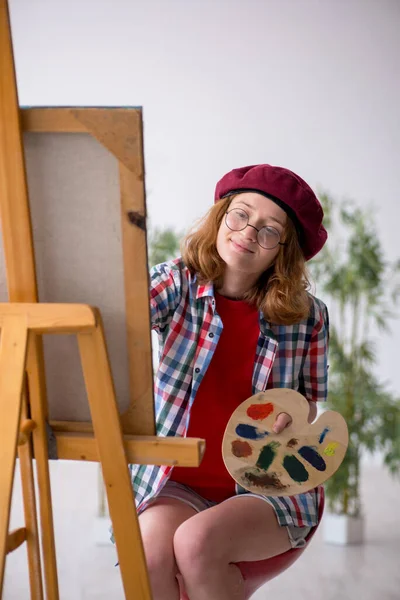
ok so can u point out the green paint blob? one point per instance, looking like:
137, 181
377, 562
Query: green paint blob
295, 468
267, 455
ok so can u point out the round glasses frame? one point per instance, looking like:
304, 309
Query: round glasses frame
278, 243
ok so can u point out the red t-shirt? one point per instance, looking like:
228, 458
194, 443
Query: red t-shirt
226, 384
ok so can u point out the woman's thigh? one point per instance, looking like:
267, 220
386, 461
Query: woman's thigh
239, 529
158, 524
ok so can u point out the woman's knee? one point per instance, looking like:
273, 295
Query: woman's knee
161, 565
158, 524
196, 548
160, 559
158, 550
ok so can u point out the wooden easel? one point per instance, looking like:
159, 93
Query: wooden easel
112, 440
20, 322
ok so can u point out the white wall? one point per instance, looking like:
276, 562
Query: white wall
309, 84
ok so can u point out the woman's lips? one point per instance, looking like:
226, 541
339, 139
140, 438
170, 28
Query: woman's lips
241, 248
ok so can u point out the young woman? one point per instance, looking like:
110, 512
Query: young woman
234, 318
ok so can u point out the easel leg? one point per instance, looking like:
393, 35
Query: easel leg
108, 432
31, 524
38, 408
13, 347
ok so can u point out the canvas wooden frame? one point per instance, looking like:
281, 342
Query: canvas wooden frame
120, 131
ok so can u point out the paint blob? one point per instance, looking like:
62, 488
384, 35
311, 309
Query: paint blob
311, 455
291, 443
263, 480
323, 434
267, 455
331, 449
250, 432
259, 412
241, 449
295, 468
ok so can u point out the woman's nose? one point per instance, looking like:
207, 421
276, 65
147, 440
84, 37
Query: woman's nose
251, 233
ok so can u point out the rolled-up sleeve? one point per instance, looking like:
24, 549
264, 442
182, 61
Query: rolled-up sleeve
315, 368
165, 294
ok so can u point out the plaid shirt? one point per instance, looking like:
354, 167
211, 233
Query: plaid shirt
292, 356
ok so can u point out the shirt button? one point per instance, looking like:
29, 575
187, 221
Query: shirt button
197, 370
211, 335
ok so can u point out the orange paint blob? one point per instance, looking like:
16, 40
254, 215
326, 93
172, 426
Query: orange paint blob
258, 412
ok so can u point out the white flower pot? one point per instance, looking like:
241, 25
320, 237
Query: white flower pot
342, 530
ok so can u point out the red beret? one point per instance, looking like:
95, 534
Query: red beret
289, 191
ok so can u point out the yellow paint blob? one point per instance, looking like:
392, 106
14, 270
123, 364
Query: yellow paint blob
331, 449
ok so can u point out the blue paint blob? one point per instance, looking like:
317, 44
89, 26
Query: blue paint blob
311, 456
323, 434
250, 432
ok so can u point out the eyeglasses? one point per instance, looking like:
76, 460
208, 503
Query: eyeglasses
268, 237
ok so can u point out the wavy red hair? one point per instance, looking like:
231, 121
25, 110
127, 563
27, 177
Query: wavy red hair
281, 292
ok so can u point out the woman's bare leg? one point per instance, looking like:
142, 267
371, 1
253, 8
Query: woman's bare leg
207, 545
158, 524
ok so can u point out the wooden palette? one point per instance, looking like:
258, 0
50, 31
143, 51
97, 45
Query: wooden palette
294, 461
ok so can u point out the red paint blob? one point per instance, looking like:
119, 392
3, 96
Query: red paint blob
241, 449
258, 412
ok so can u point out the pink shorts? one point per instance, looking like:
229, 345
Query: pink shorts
172, 489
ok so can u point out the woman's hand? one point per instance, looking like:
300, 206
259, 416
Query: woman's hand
283, 420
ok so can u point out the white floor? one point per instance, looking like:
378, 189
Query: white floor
86, 569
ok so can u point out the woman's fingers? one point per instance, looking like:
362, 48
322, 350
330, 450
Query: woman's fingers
281, 422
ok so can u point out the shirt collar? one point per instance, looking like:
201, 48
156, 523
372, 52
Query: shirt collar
205, 290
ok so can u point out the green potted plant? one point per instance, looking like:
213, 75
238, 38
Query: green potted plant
360, 288
163, 244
